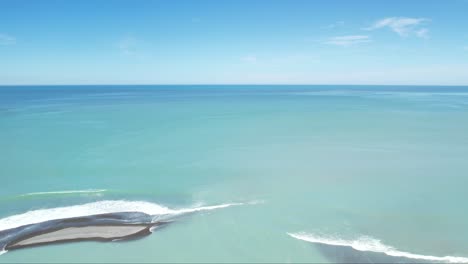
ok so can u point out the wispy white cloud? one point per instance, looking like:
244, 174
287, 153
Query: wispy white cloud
7, 39
334, 25
423, 33
295, 59
249, 59
348, 40
403, 26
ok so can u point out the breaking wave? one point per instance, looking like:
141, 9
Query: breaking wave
95, 208
109, 220
370, 244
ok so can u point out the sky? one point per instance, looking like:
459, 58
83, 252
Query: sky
418, 42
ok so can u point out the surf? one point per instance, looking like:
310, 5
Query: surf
96, 208
369, 244
109, 220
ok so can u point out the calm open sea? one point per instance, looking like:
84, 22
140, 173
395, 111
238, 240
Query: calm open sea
296, 173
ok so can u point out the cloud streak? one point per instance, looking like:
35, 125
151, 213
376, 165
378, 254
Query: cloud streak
423, 33
7, 39
249, 59
403, 26
335, 25
346, 41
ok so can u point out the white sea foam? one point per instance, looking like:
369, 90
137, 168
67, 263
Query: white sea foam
153, 228
66, 192
3, 251
204, 208
255, 202
101, 207
370, 244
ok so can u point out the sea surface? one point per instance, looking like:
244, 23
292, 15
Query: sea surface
261, 173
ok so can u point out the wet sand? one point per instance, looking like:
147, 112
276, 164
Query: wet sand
103, 228
87, 233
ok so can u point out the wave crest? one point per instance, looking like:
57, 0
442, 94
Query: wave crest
370, 244
96, 208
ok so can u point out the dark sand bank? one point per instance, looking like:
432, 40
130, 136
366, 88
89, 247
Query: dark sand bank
103, 228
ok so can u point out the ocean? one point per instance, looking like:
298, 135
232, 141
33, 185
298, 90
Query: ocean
240, 173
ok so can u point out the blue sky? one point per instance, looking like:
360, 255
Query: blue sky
234, 42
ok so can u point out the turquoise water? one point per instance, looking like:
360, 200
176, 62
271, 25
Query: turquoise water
364, 167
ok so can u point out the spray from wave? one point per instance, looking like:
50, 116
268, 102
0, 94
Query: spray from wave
109, 220
373, 245
96, 208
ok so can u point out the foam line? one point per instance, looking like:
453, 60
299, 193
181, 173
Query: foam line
204, 208
372, 245
65, 192
95, 208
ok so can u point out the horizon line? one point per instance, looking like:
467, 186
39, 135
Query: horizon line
231, 84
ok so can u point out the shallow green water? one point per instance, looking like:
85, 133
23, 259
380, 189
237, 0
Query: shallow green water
340, 161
